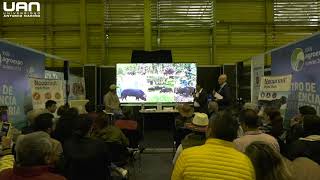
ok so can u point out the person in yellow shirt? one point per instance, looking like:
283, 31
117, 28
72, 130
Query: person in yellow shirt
6, 158
217, 158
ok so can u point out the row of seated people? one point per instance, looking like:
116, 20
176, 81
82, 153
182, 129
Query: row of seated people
246, 145
74, 147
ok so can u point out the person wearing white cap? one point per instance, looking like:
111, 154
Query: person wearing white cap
198, 126
111, 100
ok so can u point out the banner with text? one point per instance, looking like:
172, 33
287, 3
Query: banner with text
44, 90
274, 92
76, 84
302, 60
257, 71
16, 66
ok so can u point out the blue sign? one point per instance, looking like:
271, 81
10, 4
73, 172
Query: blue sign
302, 60
16, 66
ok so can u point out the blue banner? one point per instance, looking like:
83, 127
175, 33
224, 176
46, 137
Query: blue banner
302, 60
16, 66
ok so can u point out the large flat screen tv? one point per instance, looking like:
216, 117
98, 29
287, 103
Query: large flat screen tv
154, 83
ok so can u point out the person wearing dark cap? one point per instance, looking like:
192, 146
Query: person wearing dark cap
309, 144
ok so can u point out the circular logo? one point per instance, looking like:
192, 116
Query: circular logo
274, 95
297, 59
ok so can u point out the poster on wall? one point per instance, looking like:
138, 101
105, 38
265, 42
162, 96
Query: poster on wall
76, 84
274, 92
77, 88
257, 71
302, 60
44, 90
16, 65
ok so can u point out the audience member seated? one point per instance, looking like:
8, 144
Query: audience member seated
267, 162
217, 158
249, 123
296, 124
44, 122
108, 133
6, 157
85, 158
90, 108
65, 124
62, 110
33, 155
51, 106
197, 137
185, 116
309, 145
129, 126
251, 106
213, 109
303, 168
31, 115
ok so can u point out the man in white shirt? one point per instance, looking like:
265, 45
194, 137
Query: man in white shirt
249, 123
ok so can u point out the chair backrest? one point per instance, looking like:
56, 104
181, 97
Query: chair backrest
126, 124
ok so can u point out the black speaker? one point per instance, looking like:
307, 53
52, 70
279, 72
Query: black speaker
162, 56
66, 70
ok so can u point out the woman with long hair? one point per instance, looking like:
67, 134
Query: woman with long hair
268, 163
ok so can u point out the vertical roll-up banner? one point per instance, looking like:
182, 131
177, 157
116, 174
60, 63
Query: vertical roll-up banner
16, 66
257, 71
302, 60
274, 92
44, 90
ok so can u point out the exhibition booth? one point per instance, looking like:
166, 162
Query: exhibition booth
290, 82
26, 83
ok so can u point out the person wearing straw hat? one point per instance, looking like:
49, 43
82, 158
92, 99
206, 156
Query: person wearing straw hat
111, 100
185, 116
197, 137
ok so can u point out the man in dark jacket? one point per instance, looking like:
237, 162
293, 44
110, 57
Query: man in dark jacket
200, 100
224, 91
86, 158
309, 145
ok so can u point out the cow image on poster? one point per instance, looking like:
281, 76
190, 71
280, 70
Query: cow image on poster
137, 93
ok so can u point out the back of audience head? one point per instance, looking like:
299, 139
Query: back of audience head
62, 110
307, 110
34, 149
43, 122
272, 113
225, 127
213, 107
311, 125
101, 121
249, 119
51, 106
82, 126
267, 163
90, 107
251, 106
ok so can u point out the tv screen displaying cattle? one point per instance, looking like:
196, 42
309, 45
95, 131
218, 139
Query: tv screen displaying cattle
152, 83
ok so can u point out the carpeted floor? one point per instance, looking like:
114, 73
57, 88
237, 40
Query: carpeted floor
154, 167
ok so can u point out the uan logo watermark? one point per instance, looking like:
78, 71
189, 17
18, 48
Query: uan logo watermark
21, 9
